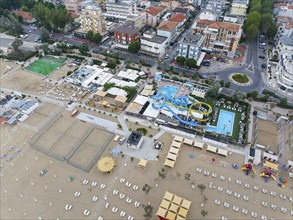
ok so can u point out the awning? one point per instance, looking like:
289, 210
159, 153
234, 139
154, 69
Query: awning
182, 212
169, 163
168, 196
170, 215
272, 166
186, 204
198, 144
200, 59
222, 152
161, 212
174, 150
174, 207
142, 163
172, 156
177, 200
178, 138
165, 204
176, 144
212, 149
270, 156
187, 141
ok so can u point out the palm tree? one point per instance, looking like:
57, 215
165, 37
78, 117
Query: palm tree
204, 213
201, 187
146, 188
187, 176
204, 199
148, 211
162, 173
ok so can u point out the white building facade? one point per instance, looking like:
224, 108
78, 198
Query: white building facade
190, 46
119, 10
153, 44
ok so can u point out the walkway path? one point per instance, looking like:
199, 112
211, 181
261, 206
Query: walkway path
282, 148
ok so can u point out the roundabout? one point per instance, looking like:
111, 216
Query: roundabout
241, 79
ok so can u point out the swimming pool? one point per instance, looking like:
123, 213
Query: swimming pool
225, 123
171, 90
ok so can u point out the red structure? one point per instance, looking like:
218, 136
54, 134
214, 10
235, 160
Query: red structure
124, 35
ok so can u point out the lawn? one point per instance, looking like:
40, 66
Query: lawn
240, 78
46, 65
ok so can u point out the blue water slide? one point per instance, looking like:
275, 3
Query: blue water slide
176, 116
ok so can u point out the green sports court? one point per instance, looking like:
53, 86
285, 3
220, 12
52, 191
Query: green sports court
46, 65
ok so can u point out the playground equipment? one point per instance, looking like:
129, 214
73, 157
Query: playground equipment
248, 167
165, 99
267, 173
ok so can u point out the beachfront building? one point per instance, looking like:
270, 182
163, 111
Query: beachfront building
120, 9
151, 16
167, 29
91, 19
124, 35
153, 45
285, 72
135, 140
219, 36
179, 18
239, 7
170, 4
73, 5
207, 14
190, 46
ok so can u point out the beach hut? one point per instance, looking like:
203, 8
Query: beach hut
178, 138
171, 156
169, 163
188, 141
176, 144
198, 144
212, 149
271, 166
222, 152
142, 163
174, 150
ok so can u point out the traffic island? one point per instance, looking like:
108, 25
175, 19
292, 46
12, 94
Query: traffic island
241, 79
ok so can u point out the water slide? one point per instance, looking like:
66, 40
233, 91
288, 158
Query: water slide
161, 105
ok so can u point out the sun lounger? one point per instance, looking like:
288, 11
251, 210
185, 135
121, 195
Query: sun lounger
122, 180
245, 197
273, 206
211, 185
222, 178
206, 173
198, 170
255, 188
237, 195
214, 175
265, 191
100, 218
263, 217
121, 196
95, 198
235, 208
122, 214
220, 189
263, 203
254, 214
136, 204
273, 193
247, 185
283, 197
130, 217
245, 211
218, 202
238, 182
94, 183
226, 204
224, 218
107, 205
128, 200
229, 192
283, 209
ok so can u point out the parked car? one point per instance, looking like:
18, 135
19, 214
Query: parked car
262, 57
263, 65
122, 140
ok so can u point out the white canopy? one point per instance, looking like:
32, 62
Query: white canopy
212, 149
222, 152
198, 144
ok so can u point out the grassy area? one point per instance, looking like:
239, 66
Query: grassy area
46, 65
240, 78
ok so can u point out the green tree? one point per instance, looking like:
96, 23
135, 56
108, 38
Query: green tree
45, 48
83, 49
254, 94
227, 84
24, 8
238, 96
89, 35
162, 173
187, 176
252, 18
222, 83
213, 91
96, 38
45, 35
251, 32
201, 187
204, 213
266, 22
148, 211
191, 63
272, 31
180, 60
146, 188
108, 86
16, 44
134, 47
283, 102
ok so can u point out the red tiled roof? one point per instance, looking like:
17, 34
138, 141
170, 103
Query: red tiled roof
2, 120
154, 10
177, 18
290, 7
24, 14
167, 26
219, 25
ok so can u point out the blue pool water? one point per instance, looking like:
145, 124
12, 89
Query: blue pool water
225, 123
171, 90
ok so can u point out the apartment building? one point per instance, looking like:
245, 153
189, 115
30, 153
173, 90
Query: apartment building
190, 46
91, 19
219, 36
73, 5
151, 16
239, 7
120, 9
167, 29
170, 4
153, 45
125, 34
285, 72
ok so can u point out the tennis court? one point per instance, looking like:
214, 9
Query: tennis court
46, 65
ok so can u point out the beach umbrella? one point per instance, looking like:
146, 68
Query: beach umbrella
106, 164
